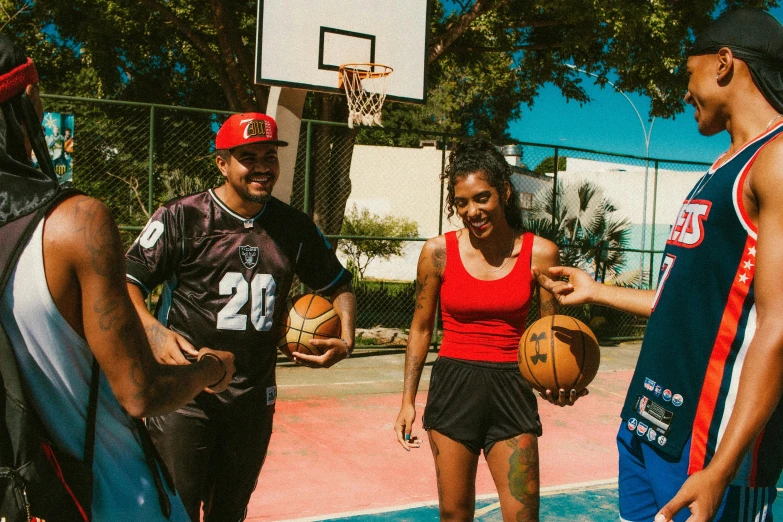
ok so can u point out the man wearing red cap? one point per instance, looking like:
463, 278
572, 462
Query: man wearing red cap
227, 258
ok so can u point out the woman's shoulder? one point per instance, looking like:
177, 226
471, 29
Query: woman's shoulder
434, 245
543, 247
434, 249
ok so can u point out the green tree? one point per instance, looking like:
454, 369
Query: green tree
361, 252
585, 226
487, 58
547, 165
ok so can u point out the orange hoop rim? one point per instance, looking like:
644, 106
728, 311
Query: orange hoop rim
367, 72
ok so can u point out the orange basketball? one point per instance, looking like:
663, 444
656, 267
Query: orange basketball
309, 316
559, 352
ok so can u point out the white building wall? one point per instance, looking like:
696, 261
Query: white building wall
403, 182
624, 185
406, 182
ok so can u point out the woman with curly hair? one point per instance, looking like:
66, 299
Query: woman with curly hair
477, 398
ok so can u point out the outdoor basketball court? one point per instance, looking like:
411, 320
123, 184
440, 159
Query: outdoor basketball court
334, 454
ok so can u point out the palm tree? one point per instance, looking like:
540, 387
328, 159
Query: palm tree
582, 221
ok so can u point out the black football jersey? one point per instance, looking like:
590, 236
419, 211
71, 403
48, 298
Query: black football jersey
226, 277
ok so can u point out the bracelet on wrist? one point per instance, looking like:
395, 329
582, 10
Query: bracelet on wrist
222, 365
348, 351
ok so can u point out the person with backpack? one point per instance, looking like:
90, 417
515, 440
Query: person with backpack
70, 329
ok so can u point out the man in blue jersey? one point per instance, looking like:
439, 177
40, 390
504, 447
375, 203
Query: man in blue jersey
702, 421
227, 258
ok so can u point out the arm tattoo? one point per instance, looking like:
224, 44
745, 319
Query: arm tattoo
99, 237
156, 335
439, 259
549, 307
413, 368
420, 285
102, 241
523, 475
109, 312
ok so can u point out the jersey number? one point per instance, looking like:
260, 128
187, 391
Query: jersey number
260, 292
666, 268
151, 233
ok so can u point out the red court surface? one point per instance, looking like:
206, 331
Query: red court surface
334, 450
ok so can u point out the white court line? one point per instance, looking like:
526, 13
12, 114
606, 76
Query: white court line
546, 491
555, 490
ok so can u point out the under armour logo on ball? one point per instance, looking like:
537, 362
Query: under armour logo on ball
538, 356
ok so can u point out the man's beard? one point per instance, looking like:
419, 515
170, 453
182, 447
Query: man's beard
260, 200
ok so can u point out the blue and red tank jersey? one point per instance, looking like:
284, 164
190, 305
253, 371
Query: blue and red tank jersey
484, 320
703, 319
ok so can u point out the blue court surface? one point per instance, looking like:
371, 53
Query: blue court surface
591, 505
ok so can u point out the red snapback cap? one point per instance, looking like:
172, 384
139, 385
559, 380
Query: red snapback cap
248, 127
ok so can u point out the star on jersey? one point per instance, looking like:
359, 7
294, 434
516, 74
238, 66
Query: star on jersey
745, 274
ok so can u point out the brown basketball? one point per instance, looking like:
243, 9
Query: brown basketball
309, 316
559, 352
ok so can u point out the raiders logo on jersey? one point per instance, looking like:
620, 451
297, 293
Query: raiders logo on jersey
249, 256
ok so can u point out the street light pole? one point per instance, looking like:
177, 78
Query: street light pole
647, 132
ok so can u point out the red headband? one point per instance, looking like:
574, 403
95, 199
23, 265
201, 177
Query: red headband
17, 79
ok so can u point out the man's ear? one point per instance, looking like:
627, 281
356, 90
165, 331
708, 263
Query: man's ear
725, 65
221, 163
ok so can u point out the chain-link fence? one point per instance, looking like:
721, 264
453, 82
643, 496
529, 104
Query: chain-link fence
610, 214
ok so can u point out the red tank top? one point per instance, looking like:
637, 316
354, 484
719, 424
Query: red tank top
484, 320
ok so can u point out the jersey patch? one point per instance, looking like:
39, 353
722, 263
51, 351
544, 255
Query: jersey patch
271, 395
249, 256
688, 229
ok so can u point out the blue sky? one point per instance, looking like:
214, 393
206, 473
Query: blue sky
609, 123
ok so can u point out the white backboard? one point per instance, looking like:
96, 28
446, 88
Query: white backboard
301, 43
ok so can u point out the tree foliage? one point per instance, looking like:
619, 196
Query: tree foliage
547, 165
361, 252
487, 58
490, 58
585, 226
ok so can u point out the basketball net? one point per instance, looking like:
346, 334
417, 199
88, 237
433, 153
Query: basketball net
365, 88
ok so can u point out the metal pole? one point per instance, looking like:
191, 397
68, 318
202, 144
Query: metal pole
306, 203
151, 153
646, 182
652, 235
150, 171
308, 153
554, 190
434, 339
442, 171
647, 133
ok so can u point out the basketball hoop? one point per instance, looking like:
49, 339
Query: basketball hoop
365, 88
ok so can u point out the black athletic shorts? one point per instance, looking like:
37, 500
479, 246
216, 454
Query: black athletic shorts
480, 403
215, 457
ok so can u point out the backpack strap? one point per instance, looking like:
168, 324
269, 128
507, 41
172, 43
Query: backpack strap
155, 463
92, 413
